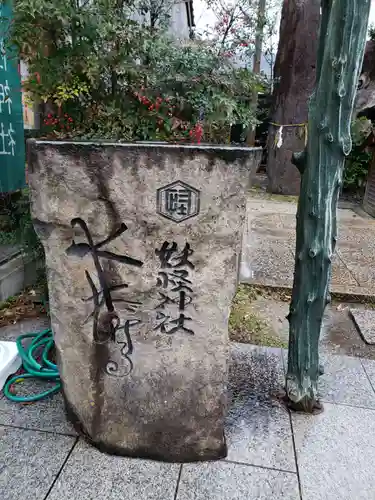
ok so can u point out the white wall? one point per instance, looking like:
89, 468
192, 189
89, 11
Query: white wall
179, 21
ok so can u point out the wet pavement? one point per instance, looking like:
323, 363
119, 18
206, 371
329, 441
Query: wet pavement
339, 334
272, 453
269, 246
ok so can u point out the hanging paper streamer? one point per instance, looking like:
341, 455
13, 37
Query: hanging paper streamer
279, 137
278, 142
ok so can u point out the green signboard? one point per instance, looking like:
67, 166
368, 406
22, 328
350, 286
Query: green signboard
12, 143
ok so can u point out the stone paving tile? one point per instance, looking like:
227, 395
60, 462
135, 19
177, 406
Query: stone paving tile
45, 415
335, 453
29, 462
341, 275
258, 428
255, 370
11, 332
90, 474
357, 236
229, 481
364, 320
289, 222
360, 261
265, 221
364, 275
8, 251
344, 381
270, 206
259, 433
369, 367
273, 225
269, 262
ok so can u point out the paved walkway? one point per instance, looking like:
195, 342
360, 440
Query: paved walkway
269, 245
273, 454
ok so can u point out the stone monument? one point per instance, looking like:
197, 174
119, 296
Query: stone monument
142, 248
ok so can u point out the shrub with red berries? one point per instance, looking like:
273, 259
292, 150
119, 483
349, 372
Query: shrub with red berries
57, 125
103, 75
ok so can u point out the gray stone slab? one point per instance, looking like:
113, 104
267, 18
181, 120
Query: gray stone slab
267, 262
45, 415
341, 275
364, 274
357, 252
142, 246
369, 367
259, 433
357, 235
255, 205
335, 453
17, 273
230, 481
34, 325
255, 371
364, 320
90, 474
267, 224
344, 381
7, 252
258, 428
29, 462
340, 336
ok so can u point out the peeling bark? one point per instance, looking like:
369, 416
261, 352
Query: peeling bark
342, 40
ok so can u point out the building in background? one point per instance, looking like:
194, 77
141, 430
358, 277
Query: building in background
179, 12
30, 111
182, 22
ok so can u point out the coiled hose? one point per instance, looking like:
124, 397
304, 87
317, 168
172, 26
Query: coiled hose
36, 365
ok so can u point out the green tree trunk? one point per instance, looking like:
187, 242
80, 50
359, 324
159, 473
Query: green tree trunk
342, 40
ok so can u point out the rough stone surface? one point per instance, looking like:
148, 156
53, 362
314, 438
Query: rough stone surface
229, 481
364, 320
29, 462
89, 475
143, 375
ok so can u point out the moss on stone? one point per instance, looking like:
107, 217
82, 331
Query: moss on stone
245, 325
260, 193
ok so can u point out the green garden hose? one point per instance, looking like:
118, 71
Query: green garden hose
35, 364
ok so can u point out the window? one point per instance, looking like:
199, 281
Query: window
190, 13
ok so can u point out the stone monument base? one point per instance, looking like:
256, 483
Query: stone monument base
142, 248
